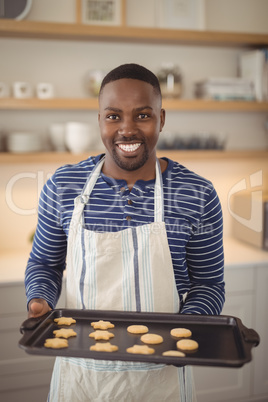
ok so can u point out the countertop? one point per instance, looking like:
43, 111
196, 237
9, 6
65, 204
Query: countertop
238, 254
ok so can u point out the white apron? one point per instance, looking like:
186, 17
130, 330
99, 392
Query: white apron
129, 270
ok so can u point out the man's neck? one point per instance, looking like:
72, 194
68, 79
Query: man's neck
131, 177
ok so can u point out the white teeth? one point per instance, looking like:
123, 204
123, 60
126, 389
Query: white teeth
129, 147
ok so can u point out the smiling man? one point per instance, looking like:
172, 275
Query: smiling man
138, 233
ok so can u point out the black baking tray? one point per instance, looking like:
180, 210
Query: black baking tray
223, 340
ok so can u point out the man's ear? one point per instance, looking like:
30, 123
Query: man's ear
162, 118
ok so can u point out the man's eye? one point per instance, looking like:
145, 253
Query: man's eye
143, 116
112, 117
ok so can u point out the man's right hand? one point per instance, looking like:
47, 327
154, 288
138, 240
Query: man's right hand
37, 308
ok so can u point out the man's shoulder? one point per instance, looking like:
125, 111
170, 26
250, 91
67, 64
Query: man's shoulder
177, 173
85, 165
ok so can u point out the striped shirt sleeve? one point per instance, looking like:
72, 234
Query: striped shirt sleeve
205, 262
43, 276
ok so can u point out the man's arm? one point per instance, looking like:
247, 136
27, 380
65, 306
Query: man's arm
205, 262
44, 271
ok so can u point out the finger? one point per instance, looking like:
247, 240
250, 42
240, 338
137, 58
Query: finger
36, 308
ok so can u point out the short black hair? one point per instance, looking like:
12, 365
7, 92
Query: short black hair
133, 71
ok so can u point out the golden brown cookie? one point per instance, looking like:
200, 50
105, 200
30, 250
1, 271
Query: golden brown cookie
175, 353
140, 349
100, 334
65, 321
137, 329
64, 333
187, 344
102, 324
152, 339
56, 343
104, 347
180, 333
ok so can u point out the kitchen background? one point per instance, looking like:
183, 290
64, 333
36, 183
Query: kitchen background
66, 64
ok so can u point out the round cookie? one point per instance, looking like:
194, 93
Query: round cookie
175, 353
137, 329
152, 339
187, 344
104, 347
140, 349
180, 333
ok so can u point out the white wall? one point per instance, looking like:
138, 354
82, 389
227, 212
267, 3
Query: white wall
237, 15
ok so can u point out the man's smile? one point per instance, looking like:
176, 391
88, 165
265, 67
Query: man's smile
129, 147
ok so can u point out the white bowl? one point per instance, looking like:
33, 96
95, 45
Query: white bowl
57, 136
23, 142
79, 137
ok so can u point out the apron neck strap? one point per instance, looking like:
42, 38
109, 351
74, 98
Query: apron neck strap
158, 191
158, 194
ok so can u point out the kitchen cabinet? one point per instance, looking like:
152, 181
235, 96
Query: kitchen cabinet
261, 324
246, 298
230, 384
22, 376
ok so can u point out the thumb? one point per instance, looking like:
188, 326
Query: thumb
38, 307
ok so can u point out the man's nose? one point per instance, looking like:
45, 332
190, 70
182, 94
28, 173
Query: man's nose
128, 127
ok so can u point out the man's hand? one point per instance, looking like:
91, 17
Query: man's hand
37, 308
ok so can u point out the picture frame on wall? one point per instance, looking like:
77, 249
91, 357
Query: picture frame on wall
180, 14
101, 12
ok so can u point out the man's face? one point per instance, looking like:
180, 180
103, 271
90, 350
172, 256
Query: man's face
130, 119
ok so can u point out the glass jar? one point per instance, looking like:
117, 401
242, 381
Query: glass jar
93, 81
170, 80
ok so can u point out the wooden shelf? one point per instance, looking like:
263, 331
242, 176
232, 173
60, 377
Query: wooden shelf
60, 158
168, 104
68, 31
48, 104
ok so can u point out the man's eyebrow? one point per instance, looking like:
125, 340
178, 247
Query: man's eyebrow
138, 109
113, 109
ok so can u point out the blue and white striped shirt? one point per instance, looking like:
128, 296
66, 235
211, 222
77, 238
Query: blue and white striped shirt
192, 213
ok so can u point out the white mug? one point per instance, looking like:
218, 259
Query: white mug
22, 90
4, 90
44, 90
